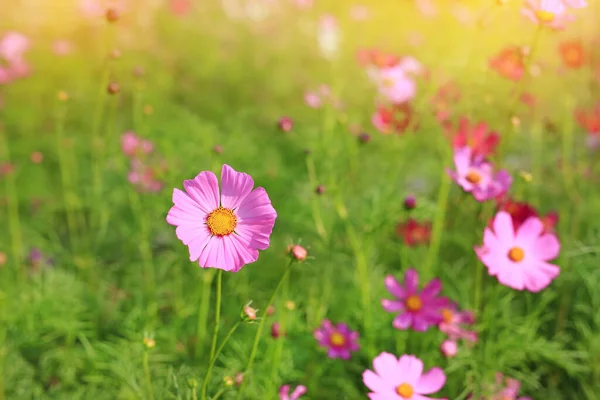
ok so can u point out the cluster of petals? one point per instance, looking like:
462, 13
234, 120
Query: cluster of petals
413, 232
476, 175
339, 340
393, 118
144, 169
320, 96
284, 392
589, 121
457, 326
417, 309
572, 53
477, 136
402, 378
509, 63
504, 389
223, 227
13, 46
551, 13
520, 211
518, 258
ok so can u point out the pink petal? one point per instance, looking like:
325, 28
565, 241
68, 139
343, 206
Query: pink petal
235, 186
430, 382
204, 189
374, 382
213, 255
490, 240
462, 160
257, 235
503, 227
257, 206
403, 321
386, 366
392, 305
240, 251
392, 285
410, 369
185, 210
529, 231
420, 323
540, 276
513, 278
378, 396
411, 281
300, 390
546, 247
432, 289
197, 240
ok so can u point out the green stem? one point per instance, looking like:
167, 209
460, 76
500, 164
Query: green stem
213, 346
218, 394
316, 209
276, 360
214, 359
148, 376
201, 327
261, 326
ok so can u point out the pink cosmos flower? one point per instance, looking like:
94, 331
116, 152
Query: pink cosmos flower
132, 145
402, 379
339, 340
284, 392
551, 13
145, 178
13, 46
223, 228
455, 323
396, 85
417, 309
476, 176
518, 258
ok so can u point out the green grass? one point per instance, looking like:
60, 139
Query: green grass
76, 329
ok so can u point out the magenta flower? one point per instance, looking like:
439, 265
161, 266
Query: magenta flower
145, 178
476, 176
455, 324
402, 379
339, 340
519, 258
132, 145
284, 392
417, 309
223, 229
395, 85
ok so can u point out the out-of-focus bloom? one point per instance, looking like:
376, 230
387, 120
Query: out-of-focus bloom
145, 177
509, 63
447, 95
449, 348
418, 309
303, 4
504, 389
338, 339
276, 330
414, 233
13, 47
551, 13
476, 176
284, 392
223, 229
285, 124
98, 8
478, 136
519, 257
455, 324
572, 53
180, 7
322, 95
377, 58
410, 202
37, 259
393, 118
328, 36
427, 8
37, 157
402, 378
395, 85
62, 47
521, 211
133, 145
589, 121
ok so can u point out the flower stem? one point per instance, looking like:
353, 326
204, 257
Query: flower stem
214, 359
276, 360
261, 326
213, 346
147, 375
316, 210
207, 279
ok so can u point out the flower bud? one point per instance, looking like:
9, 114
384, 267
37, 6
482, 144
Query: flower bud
449, 348
298, 252
410, 202
285, 124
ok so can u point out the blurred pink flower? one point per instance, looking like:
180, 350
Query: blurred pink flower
455, 324
427, 8
339, 340
402, 378
145, 178
328, 36
418, 309
180, 7
284, 392
62, 47
396, 85
449, 348
551, 13
303, 4
97, 8
133, 145
13, 46
518, 258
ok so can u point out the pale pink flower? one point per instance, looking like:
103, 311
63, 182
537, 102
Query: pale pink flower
551, 13
132, 145
223, 228
576, 3
402, 379
303, 4
339, 340
396, 85
518, 258
455, 324
476, 176
13, 46
410, 65
449, 348
284, 392
312, 99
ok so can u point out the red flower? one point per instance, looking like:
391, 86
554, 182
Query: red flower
520, 211
589, 120
509, 63
478, 137
394, 118
414, 233
377, 58
572, 53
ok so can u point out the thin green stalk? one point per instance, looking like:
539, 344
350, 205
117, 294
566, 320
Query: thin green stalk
102, 156
316, 209
438, 223
276, 360
213, 346
201, 327
148, 376
14, 218
261, 326
218, 394
214, 359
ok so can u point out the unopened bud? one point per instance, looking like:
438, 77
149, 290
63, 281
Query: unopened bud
149, 342
285, 124
449, 348
113, 88
320, 189
298, 252
249, 313
410, 202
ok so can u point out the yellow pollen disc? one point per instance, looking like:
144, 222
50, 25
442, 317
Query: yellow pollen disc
473, 177
414, 303
221, 222
388, 82
516, 254
447, 315
405, 390
544, 16
337, 339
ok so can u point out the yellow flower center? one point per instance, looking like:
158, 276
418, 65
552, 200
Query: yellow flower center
414, 303
337, 339
221, 222
544, 16
447, 315
388, 82
405, 390
516, 254
473, 177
